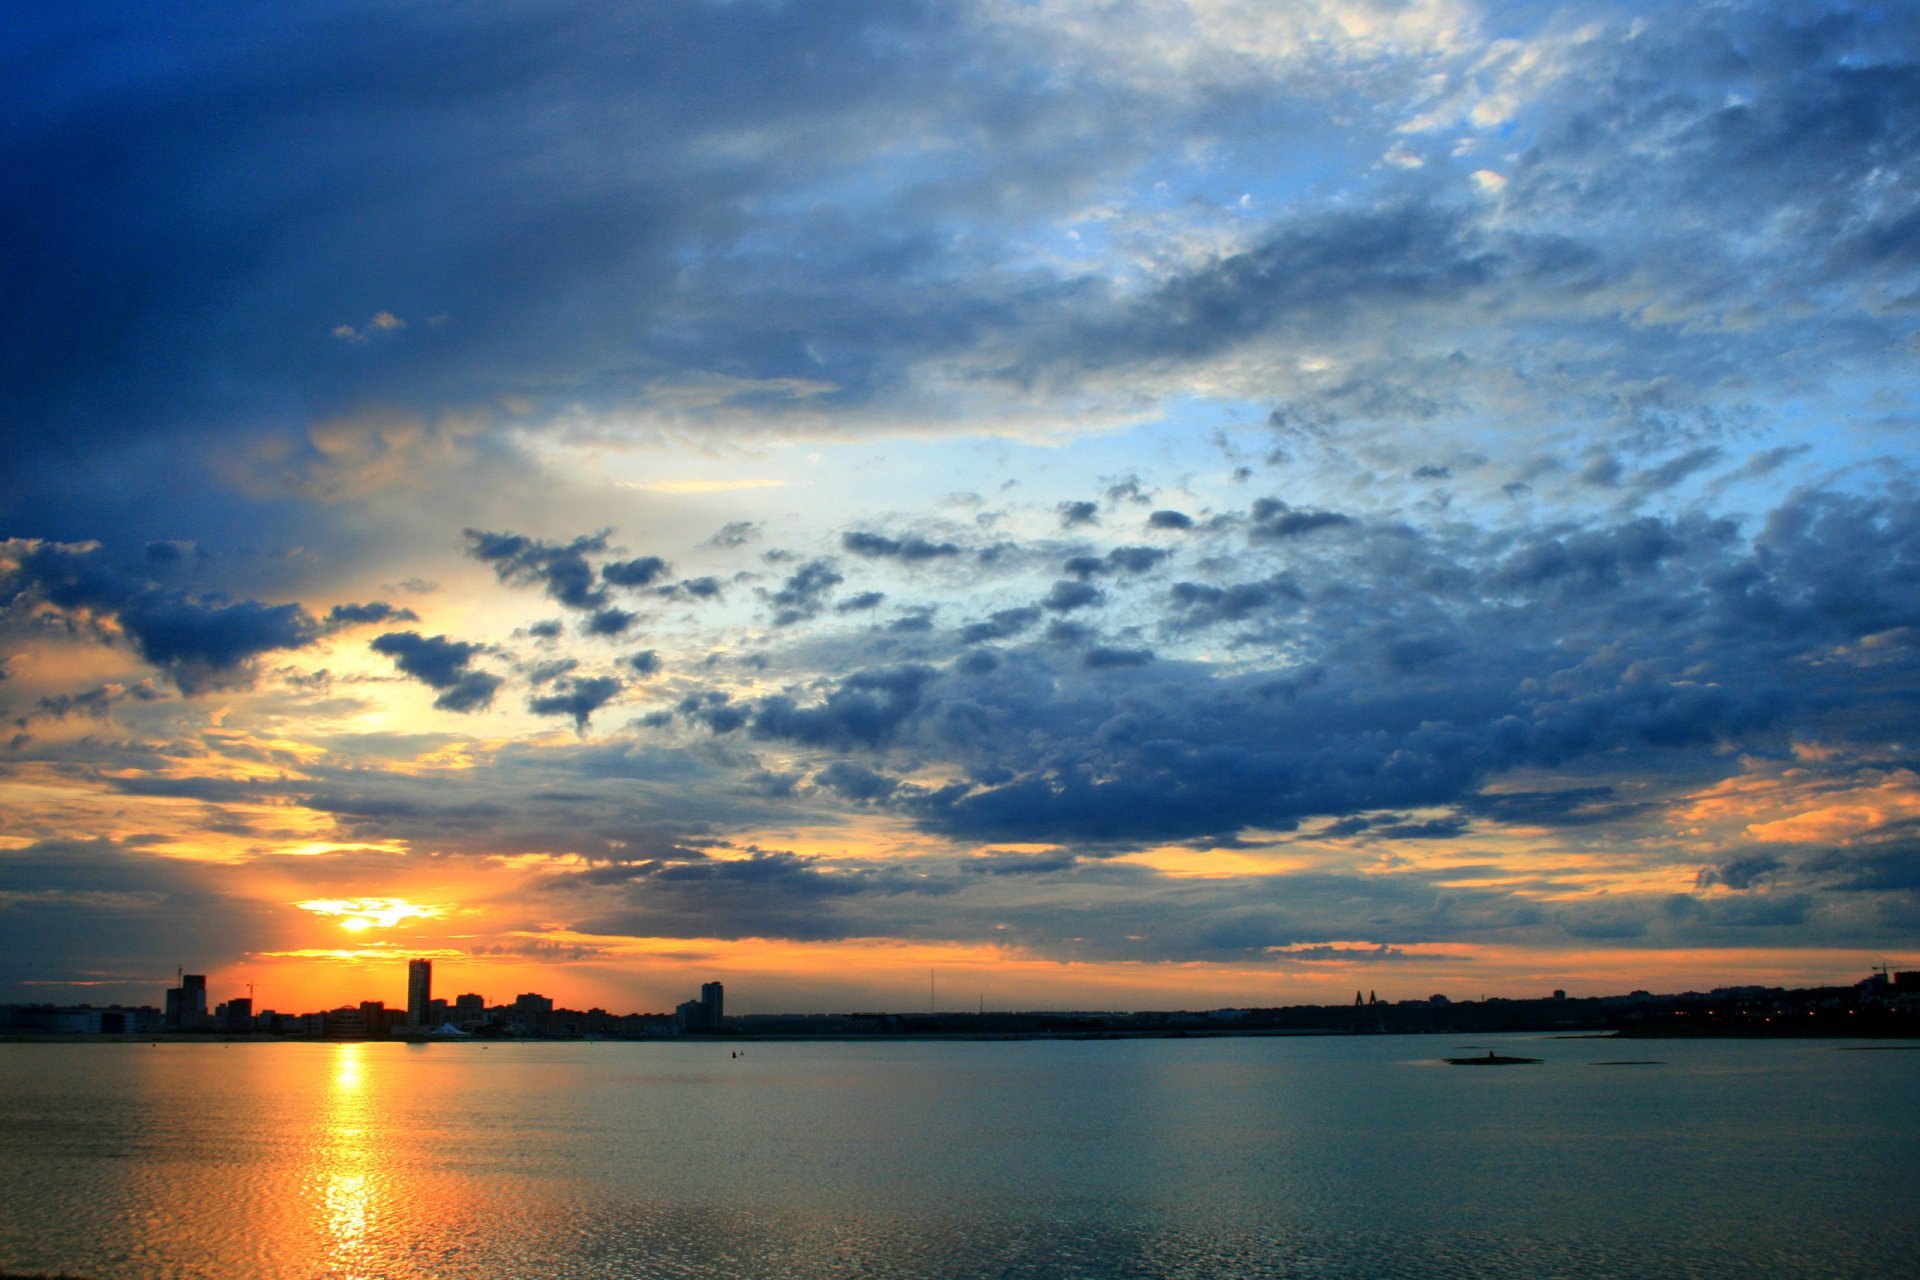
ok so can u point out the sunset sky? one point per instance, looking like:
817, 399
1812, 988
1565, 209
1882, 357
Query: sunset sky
1152, 504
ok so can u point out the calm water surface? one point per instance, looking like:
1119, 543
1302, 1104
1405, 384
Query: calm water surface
1341, 1156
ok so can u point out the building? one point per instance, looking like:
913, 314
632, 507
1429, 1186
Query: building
470, 1010
532, 1013
187, 1003
704, 1014
419, 992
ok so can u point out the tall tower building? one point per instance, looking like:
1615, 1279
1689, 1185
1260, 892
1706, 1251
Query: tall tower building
419, 991
712, 1004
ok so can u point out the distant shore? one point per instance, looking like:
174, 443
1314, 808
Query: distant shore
1645, 1032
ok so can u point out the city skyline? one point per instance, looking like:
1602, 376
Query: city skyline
1125, 506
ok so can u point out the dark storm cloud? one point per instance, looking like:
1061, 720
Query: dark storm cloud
443, 664
561, 569
199, 641
910, 549
578, 697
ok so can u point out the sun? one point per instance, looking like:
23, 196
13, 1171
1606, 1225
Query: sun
357, 915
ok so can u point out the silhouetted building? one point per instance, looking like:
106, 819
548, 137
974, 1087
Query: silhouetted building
346, 1023
532, 1012
187, 1003
705, 1014
239, 1014
469, 1010
419, 992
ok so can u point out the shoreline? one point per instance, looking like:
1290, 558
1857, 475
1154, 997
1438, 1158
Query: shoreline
1649, 1032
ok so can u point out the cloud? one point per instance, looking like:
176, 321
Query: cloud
561, 569
96, 703
911, 549
1558, 533
1106, 658
610, 621
864, 709
578, 697
804, 593
641, 572
1066, 596
1127, 560
1199, 604
199, 641
443, 664
1001, 624
1074, 515
353, 615
1273, 518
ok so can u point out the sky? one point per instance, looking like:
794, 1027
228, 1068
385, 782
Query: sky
997, 504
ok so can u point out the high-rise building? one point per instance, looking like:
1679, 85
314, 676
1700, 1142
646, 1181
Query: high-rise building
712, 1004
187, 1003
419, 991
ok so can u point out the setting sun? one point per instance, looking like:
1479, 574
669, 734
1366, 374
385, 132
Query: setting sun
359, 914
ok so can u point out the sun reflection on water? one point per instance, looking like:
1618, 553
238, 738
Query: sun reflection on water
344, 1179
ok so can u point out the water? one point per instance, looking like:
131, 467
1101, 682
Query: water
1322, 1157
